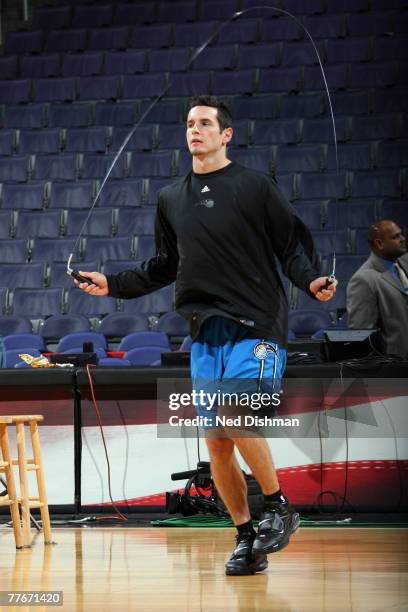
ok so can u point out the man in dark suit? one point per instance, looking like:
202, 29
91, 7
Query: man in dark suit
377, 294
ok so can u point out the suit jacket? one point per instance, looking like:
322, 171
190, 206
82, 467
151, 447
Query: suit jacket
376, 299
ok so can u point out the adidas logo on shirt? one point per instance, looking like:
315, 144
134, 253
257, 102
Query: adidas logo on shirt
205, 189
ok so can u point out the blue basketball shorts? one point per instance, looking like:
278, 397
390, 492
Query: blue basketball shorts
227, 362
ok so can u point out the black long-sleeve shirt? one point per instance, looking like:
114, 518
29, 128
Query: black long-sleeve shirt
218, 236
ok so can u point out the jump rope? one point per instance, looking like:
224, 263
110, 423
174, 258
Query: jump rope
197, 52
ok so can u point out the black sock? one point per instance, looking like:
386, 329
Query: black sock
275, 497
246, 528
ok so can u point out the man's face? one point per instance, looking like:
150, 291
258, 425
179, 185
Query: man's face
392, 242
203, 131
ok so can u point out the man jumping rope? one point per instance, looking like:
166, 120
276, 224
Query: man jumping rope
219, 230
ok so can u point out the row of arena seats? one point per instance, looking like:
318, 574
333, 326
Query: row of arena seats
101, 139
111, 222
219, 82
36, 195
227, 57
92, 142
131, 248
366, 104
72, 14
249, 29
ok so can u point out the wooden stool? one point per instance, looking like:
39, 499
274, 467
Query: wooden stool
24, 465
6, 467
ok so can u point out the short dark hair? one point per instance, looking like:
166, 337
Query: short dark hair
223, 112
376, 230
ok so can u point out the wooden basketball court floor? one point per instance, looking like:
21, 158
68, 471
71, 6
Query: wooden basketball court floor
182, 569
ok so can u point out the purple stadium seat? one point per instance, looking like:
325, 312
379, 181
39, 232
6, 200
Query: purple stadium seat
39, 141
8, 67
157, 163
283, 28
125, 62
7, 142
336, 77
128, 192
140, 339
120, 324
307, 322
255, 107
323, 240
95, 166
359, 240
262, 55
357, 156
358, 50
54, 90
213, 9
56, 167
392, 154
242, 31
279, 79
92, 139
31, 116
69, 194
159, 301
236, 82
76, 339
10, 324
169, 60
82, 64
13, 251
321, 130
389, 101
92, 16
145, 248
99, 87
326, 26
189, 83
13, 360
51, 249
5, 223
38, 224
100, 223
378, 184
24, 43
301, 53
41, 66
135, 222
173, 324
350, 103
116, 266
14, 168
17, 91
192, 34
3, 299
347, 6
66, 40
216, 58
147, 85
156, 36
346, 265
115, 113
378, 127
351, 214
369, 24
178, 11
109, 38
19, 195
167, 111
52, 17
376, 75
84, 304
70, 115
113, 248
391, 48
60, 325
154, 184
313, 185
396, 210
172, 136
22, 275
22, 340
259, 158
142, 12
58, 276
310, 213
144, 356
309, 105
302, 158
144, 138
37, 302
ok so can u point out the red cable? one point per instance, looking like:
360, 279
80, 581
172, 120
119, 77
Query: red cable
119, 516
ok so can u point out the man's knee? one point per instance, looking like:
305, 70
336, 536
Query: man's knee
220, 447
